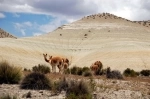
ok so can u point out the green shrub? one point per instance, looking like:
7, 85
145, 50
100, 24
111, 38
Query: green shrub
62, 84
129, 73
74, 89
9, 74
145, 72
41, 68
78, 90
79, 71
99, 72
67, 71
115, 74
37, 81
25, 69
87, 73
85, 69
7, 96
74, 70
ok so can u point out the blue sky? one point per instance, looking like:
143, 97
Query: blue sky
25, 18
25, 24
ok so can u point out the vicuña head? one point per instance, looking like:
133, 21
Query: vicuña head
66, 63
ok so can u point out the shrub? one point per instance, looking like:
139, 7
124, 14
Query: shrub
130, 73
7, 96
27, 70
87, 73
67, 71
78, 90
74, 70
85, 69
9, 74
62, 85
145, 72
99, 72
79, 71
41, 68
115, 74
37, 81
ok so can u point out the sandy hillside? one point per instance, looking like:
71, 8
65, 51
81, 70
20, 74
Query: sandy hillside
116, 42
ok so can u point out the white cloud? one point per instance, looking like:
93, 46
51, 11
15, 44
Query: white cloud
21, 27
23, 32
51, 25
131, 9
37, 34
16, 15
2, 15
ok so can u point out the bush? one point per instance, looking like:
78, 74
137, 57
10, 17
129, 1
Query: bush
130, 73
74, 89
78, 90
79, 71
67, 71
37, 81
85, 69
115, 74
41, 68
87, 73
145, 72
74, 70
62, 85
9, 74
8, 97
27, 70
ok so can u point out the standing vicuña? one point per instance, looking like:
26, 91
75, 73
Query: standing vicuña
54, 61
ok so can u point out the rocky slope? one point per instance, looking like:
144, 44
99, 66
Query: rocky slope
4, 34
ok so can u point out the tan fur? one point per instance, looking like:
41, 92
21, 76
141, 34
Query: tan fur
100, 65
66, 63
65, 66
94, 67
54, 61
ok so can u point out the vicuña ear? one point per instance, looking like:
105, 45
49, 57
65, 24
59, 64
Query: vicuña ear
50, 57
67, 60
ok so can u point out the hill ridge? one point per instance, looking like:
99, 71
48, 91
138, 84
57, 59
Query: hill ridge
4, 34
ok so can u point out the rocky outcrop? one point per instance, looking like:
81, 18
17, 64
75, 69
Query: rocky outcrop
4, 34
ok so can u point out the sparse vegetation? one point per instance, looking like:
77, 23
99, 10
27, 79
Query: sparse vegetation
78, 90
9, 74
74, 70
7, 96
145, 72
87, 73
115, 74
62, 84
37, 81
74, 89
25, 69
41, 68
130, 73
80, 71
84, 69
67, 71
